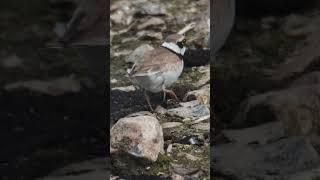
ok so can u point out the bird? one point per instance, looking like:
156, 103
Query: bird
159, 68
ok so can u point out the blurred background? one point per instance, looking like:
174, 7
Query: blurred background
266, 89
53, 106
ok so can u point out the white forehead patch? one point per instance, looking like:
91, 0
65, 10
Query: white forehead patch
181, 39
174, 47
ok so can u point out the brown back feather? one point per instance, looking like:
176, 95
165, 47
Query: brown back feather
157, 60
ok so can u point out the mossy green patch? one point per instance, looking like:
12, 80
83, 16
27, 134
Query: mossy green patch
131, 166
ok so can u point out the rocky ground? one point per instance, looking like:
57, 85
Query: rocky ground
266, 91
176, 138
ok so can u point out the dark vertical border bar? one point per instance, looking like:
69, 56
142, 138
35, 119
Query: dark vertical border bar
107, 90
212, 119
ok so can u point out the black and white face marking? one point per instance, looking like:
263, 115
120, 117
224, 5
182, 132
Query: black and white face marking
177, 47
182, 43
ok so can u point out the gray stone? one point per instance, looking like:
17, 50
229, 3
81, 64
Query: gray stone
59, 29
113, 81
124, 40
122, 12
125, 89
139, 136
151, 8
169, 149
149, 35
192, 109
202, 95
153, 21
183, 169
160, 110
188, 156
205, 77
175, 176
198, 120
170, 125
121, 53
202, 126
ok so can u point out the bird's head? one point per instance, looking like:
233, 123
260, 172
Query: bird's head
175, 43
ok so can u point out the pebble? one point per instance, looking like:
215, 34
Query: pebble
171, 125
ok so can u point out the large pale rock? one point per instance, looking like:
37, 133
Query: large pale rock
139, 136
297, 108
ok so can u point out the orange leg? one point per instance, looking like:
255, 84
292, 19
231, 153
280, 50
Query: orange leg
170, 92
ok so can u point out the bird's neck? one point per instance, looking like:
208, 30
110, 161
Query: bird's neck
174, 47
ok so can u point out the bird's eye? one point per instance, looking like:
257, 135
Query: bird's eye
184, 41
180, 44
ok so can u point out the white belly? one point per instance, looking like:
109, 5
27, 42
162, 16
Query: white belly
153, 83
